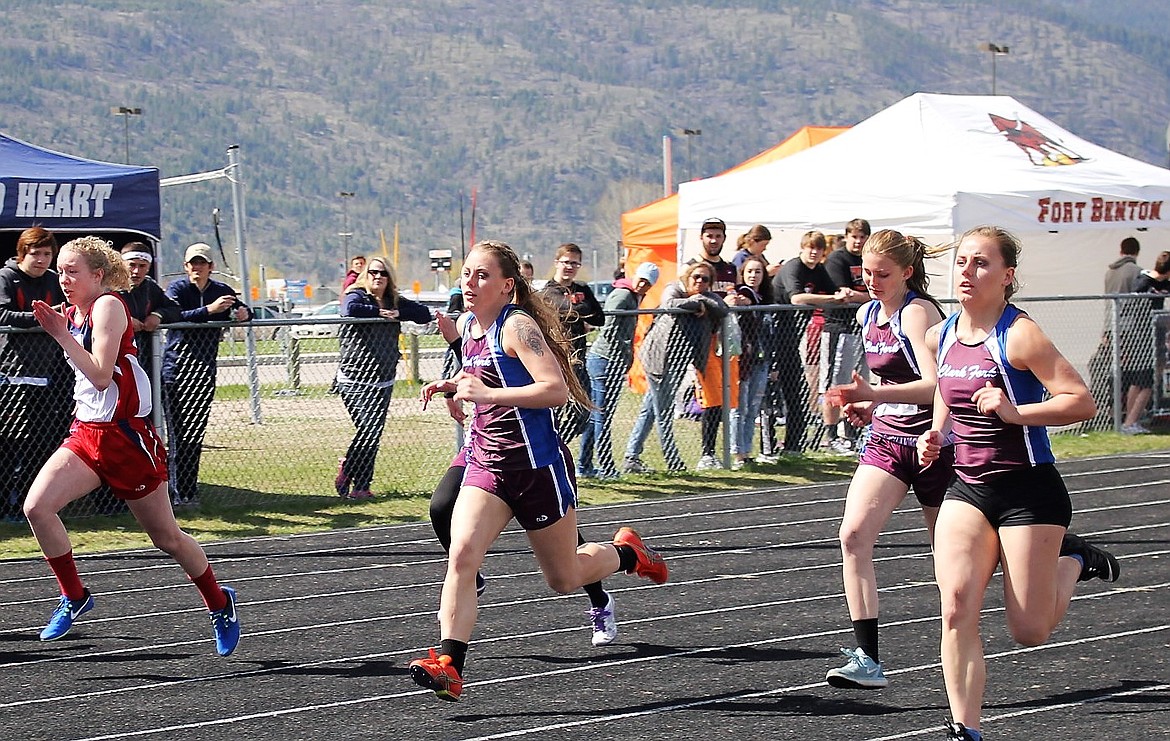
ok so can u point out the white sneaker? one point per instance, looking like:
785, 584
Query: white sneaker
604, 623
708, 463
1135, 429
840, 446
767, 459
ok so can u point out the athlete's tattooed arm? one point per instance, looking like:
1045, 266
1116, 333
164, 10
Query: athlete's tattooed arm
530, 335
524, 341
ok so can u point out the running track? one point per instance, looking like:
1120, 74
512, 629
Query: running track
735, 646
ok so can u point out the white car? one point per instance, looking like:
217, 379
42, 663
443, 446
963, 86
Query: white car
309, 331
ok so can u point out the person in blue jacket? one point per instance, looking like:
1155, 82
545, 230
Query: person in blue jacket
189, 364
368, 366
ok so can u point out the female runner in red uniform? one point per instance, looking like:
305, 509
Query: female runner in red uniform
112, 440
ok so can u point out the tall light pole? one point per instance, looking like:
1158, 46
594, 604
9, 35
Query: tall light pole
690, 134
126, 112
345, 233
995, 50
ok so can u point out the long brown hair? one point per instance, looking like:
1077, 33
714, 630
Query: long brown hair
545, 316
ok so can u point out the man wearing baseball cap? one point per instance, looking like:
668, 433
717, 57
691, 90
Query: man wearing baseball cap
607, 362
189, 365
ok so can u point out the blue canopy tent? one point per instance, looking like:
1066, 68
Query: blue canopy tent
72, 196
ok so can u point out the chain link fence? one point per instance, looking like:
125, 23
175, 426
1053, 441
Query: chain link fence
255, 412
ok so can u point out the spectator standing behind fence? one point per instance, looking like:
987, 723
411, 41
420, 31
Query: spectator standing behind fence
149, 304
1119, 278
1137, 348
893, 329
357, 265
368, 367
803, 282
111, 441
841, 351
752, 243
709, 372
35, 381
189, 366
515, 370
1001, 382
579, 310
673, 342
755, 359
608, 361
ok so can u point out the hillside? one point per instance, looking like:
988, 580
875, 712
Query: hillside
553, 111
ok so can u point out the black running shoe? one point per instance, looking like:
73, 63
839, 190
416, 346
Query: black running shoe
1098, 563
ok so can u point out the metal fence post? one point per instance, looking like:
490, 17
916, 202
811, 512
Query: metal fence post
1115, 362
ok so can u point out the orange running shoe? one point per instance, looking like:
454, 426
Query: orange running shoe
436, 673
650, 564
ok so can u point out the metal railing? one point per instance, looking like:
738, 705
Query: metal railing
277, 424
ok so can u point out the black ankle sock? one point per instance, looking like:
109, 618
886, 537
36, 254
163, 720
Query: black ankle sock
866, 633
627, 558
457, 650
598, 597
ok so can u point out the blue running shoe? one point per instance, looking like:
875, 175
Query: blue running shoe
959, 732
67, 611
226, 624
861, 673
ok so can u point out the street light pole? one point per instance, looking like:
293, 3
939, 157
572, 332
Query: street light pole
126, 112
995, 50
345, 233
689, 133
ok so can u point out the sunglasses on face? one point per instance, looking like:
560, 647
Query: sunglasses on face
570, 263
700, 279
377, 273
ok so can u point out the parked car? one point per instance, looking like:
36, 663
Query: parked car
309, 331
262, 311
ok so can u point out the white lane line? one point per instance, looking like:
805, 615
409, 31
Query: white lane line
674, 584
727, 609
608, 718
219, 563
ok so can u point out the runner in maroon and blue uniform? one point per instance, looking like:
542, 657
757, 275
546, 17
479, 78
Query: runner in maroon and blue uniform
515, 371
1007, 504
894, 328
112, 440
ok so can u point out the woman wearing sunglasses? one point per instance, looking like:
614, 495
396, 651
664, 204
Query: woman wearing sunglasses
674, 342
365, 374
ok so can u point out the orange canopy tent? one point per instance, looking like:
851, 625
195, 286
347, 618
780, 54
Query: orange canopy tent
650, 232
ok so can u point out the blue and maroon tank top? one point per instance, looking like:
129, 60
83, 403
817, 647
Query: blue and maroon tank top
890, 357
985, 446
505, 437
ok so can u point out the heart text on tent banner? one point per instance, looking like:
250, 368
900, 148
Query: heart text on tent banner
62, 200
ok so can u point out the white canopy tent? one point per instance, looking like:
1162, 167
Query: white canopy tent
936, 165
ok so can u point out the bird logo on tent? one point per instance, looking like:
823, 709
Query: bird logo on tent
1035, 143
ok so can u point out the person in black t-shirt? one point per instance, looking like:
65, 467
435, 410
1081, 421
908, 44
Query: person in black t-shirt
841, 350
803, 282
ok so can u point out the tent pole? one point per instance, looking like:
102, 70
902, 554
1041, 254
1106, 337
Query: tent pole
237, 181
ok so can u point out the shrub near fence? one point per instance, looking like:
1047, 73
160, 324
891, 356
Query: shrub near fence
278, 428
